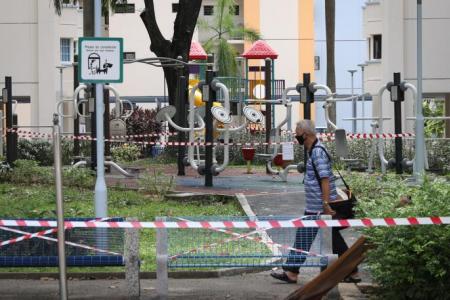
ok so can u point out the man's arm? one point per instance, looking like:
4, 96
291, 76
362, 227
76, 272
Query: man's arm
325, 184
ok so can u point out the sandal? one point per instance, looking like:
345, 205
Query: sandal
283, 277
353, 278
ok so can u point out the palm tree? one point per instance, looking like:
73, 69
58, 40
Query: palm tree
330, 16
224, 28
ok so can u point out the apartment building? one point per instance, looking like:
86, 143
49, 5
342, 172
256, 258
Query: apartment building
390, 28
36, 41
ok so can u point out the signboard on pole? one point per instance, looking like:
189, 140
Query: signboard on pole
100, 60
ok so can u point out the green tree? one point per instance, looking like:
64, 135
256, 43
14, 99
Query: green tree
434, 128
224, 28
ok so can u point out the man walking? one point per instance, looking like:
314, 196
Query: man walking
320, 190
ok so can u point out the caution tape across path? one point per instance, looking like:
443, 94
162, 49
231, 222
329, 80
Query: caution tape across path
267, 224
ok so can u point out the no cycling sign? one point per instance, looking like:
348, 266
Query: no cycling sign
100, 60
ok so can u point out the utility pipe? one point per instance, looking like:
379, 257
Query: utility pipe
226, 150
327, 103
383, 160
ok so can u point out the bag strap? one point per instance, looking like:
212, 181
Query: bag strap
329, 159
314, 166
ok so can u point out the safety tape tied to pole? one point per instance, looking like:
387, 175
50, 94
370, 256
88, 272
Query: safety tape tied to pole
267, 224
26, 133
324, 136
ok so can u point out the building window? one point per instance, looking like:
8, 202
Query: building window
377, 43
316, 63
235, 10
65, 50
208, 10
175, 7
122, 7
129, 55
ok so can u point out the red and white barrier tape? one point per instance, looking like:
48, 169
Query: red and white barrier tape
32, 134
322, 136
39, 234
42, 235
368, 136
268, 224
246, 236
56, 240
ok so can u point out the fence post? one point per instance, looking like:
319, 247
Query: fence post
132, 275
326, 236
11, 152
327, 250
1, 132
162, 276
63, 294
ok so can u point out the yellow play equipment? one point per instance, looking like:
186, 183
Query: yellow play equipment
198, 95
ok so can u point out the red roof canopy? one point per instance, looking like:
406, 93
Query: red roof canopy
260, 50
197, 51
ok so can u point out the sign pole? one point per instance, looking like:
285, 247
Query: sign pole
101, 209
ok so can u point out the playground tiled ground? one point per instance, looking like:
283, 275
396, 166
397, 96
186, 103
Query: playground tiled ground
231, 181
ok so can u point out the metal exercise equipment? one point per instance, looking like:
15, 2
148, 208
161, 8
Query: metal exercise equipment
197, 123
11, 121
271, 157
397, 90
118, 123
307, 91
329, 99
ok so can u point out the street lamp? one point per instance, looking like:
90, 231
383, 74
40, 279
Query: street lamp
352, 72
61, 94
362, 66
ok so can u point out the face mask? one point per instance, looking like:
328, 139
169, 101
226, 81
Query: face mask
300, 139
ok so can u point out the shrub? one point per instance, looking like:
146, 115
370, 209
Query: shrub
67, 150
125, 153
29, 171
79, 177
157, 184
407, 262
142, 121
37, 150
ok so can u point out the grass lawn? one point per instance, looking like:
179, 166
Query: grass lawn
38, 201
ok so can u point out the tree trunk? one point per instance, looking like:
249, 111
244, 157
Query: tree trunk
330, 16
180, 45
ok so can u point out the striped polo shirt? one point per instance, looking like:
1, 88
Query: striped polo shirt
313, 192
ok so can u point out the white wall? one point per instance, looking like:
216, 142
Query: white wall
31, 55
279, 28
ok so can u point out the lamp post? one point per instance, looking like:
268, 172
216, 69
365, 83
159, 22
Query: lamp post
101, 205
61, 93
362, 66
419, 165
352, 72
